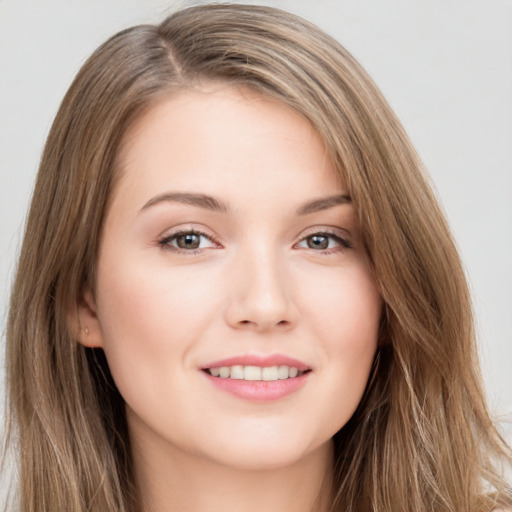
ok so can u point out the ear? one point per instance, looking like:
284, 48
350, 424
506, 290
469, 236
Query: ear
89, 328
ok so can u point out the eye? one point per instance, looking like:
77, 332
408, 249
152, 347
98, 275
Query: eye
323, 242
187, 241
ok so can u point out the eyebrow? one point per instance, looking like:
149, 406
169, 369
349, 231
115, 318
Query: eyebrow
323, 204
201, 200
210, 203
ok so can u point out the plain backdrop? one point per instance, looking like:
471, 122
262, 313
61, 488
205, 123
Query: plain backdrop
444, 65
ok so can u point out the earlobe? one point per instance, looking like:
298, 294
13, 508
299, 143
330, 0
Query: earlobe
90, 333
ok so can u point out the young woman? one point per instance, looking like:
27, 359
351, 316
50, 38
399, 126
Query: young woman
237, 292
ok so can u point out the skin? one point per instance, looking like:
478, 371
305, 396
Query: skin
256, 284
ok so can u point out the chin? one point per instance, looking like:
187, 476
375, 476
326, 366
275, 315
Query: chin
264, 454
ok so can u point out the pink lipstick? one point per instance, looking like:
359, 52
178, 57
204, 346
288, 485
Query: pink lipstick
258, 377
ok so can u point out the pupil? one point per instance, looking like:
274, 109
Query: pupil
188, 241
318, 242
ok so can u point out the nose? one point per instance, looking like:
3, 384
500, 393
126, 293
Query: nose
261, 297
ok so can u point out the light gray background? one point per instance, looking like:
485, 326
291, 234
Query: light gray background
445, 66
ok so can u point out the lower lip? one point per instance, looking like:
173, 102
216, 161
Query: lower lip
257, 390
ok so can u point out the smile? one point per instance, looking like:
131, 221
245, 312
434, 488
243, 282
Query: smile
256, 373
258, 378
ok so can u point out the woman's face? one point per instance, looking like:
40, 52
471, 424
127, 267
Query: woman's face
231, 247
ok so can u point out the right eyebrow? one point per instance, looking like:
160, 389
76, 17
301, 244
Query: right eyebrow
201, 200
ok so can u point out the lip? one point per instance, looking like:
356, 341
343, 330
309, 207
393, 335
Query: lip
258, 391
259, 360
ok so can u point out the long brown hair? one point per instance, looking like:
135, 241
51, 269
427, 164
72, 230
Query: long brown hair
421, 439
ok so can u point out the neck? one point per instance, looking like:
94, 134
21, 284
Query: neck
169, 479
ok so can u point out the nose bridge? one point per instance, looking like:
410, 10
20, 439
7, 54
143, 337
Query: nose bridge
262, 295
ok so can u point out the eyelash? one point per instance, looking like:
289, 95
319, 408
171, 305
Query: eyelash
164, 242
344, 244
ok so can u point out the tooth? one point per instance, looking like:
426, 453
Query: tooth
252, 373
237, 372
269, 373
282, 372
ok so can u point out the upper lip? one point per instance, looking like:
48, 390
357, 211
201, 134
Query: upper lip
259, 360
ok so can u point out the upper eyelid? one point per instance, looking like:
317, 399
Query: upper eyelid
326, 230
190, 228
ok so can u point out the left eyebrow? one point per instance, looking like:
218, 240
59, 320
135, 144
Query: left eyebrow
323, 204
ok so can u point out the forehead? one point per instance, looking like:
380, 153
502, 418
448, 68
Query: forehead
221, 140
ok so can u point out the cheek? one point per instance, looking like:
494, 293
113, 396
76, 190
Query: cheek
150, 315
347, 311
139, 296
346, 306
356, 324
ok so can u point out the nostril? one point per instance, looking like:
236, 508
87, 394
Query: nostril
263, 325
